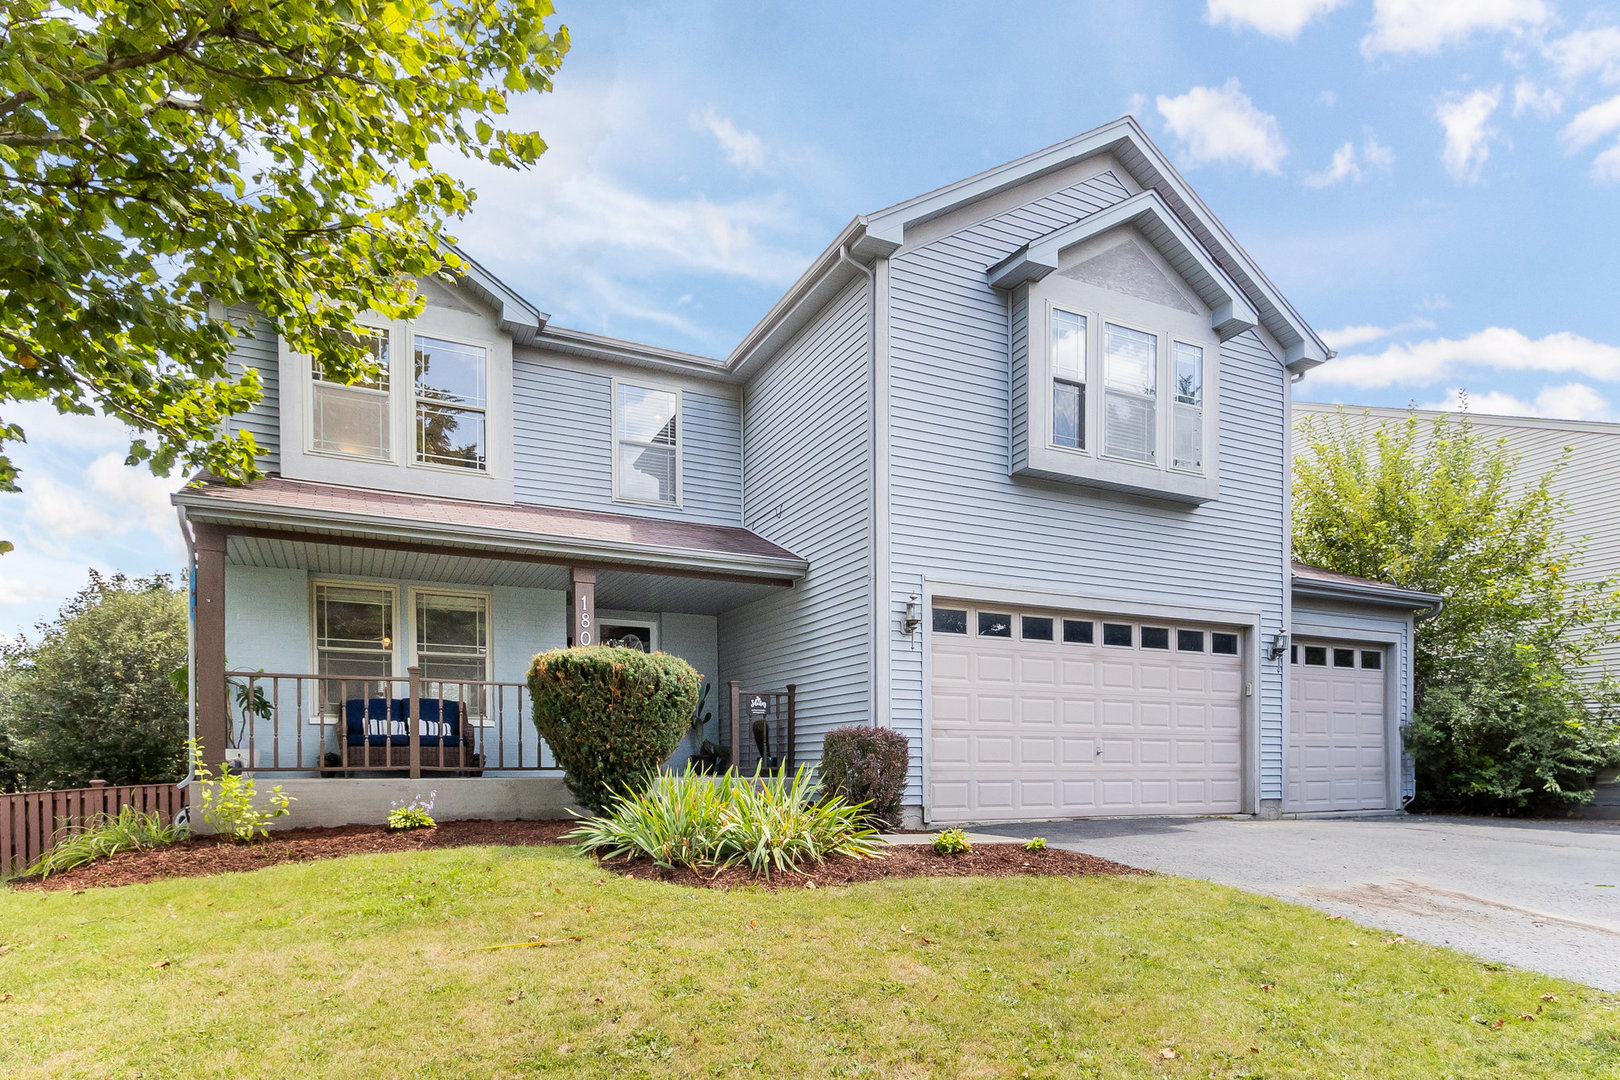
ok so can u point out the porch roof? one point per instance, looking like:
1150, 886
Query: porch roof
276, 507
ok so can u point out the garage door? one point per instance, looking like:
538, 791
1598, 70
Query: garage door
1338, 735
1039, 713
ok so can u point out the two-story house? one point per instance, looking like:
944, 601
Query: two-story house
1006, 470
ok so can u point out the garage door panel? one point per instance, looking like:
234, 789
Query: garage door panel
1049, 728
1337, 752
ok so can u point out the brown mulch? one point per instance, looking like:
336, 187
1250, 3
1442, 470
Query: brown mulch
898, 861
204, 855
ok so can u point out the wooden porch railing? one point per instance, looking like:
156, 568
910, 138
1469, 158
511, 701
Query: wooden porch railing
764, 729
29, 820
411, 725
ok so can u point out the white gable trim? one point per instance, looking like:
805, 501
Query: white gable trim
1230, 311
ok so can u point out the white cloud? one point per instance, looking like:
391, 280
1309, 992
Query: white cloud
1350, 164
1592, 124
1327, 98
1282, 19
1572, 401
1606, 166
1587, 51
1466, 121
1221, 124
1348, 337
742, 148
55, 511
1424, 363
135, 493
1427, 26
16, 591
1544, 101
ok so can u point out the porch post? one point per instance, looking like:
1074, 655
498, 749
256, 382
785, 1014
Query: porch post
736, 726
792, 725
413, 724
209, 679
582, 608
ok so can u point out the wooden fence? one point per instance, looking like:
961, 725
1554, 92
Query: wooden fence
29, 819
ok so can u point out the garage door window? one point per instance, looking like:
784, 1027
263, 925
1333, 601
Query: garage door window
991, 625
1079, 631
1190, 640
1223, 644
1119, 634
1155, 637
1316, 656
1037, 628
1372, 659
950, 620
1344, 658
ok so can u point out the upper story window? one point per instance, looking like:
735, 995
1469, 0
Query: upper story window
647, 444
1131, 402
353, 419
451, 397
1068, 379
1187, 424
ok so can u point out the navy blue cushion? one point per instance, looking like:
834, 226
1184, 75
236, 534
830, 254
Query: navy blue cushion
366, 719
449, 732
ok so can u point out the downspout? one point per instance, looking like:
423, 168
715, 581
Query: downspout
878, 639
191, 646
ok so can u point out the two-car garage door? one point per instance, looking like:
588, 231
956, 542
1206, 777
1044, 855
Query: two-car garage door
1038, 714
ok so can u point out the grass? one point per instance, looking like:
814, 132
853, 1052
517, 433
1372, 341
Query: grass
375, 966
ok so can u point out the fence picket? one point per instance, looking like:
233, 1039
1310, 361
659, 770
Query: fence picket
29, 820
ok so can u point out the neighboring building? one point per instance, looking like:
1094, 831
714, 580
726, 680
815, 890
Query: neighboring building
1006, 470
1589, 481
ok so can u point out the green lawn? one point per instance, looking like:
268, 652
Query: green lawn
371, 967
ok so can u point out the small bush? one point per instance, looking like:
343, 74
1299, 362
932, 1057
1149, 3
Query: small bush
951, 842
866, 766
611, 716
771, 822
101, 836
228, 801
415, 814
1037, 843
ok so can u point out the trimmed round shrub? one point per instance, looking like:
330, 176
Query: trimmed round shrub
611, 716
866, 765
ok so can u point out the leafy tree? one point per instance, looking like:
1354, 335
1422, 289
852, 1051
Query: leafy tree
281, 156
1508, 715
91, 697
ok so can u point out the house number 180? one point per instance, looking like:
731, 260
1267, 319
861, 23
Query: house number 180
584, 634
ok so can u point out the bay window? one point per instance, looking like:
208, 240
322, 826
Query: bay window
1187, 421
1068, 379
1130, 393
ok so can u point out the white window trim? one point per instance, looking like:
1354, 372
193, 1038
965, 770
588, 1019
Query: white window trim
1176, 404
317, 715
680, 440
1159, 418
413, 461
1087, 384
311, 389
487, 596
648, 623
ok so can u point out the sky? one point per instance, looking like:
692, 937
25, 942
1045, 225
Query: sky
1434, 184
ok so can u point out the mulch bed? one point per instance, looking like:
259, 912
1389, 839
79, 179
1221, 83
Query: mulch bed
899, 861
204, 855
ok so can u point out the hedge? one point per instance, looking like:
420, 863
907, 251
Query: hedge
866, 765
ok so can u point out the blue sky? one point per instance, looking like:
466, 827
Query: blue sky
1433, 183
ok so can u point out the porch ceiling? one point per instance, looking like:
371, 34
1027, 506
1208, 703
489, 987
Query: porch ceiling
616, 590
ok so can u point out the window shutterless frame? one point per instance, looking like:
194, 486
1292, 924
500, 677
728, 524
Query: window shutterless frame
1151, 396
625, 441
327, 401
320, 589
440, 404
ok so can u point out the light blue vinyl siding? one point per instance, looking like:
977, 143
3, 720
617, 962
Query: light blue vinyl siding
255, 347
694, 638
562, 443
807, 453
957, 515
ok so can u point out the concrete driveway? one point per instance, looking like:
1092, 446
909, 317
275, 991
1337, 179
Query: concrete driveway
1538, 895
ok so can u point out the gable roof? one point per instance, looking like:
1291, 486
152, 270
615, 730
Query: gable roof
1308, 580
516, 315
883, 232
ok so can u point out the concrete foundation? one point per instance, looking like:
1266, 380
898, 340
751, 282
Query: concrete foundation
323, 802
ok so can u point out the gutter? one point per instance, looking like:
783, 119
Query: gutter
191, 646
1428, 604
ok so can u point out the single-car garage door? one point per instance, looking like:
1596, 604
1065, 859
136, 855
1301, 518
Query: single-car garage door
1037, 713
1338, 732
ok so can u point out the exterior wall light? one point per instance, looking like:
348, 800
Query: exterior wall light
913, 618
1279, 645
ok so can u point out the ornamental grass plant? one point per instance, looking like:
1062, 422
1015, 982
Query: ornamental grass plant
772, 822
103, 835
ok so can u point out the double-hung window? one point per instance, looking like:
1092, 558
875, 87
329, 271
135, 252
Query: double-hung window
452, 645
353, 419
1068, 379
647, 462
452, 381
1187, 417
1130, 394
354, 642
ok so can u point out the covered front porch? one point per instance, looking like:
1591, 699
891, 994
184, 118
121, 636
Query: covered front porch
353, 637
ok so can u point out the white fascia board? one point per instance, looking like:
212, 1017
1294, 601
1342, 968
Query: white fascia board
516, 315
1380, 595
494, 543
825, 278
1230, 311
590, 346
